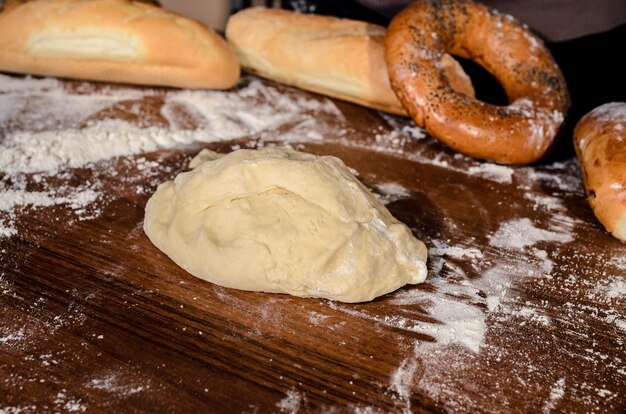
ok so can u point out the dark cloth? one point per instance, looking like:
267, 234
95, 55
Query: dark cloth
554, 20
594, 69
558, 20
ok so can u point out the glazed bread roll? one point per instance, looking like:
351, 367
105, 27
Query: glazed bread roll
336, 57
600, 142
519, 133
115, 41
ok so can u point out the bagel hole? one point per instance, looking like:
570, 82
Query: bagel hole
486, 86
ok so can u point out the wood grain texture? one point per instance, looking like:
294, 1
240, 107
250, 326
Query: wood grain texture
96, 319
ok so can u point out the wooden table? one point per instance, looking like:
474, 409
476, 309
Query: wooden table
524, 309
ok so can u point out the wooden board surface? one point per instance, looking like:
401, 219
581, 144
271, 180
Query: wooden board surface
524, 309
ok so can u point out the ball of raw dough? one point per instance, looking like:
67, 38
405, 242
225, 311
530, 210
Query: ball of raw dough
279, 220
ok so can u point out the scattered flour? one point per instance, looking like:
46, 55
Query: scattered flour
7, 228
365, 410
75, 200
23, 101
443, 249
112, 384
533, 315
217, 116
617, 289
49, 151
520, 233
407, 129
620, 323
317, 318
18, 409
570, 183
291, 404
556, 394
495, 172
39, 138
13, 337
390, 192
67, 404
402, 381
461, 324
493, 302
545, 202
474, 292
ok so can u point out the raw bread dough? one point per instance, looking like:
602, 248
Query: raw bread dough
279, 220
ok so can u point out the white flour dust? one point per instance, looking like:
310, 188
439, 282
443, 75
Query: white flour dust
12, 337
472, 297
48, 104
617, 289
68, 404
402, 381
18, 409
113, 385
521, 233
495, 172
390, 192
556, 393
42, 138
292, 402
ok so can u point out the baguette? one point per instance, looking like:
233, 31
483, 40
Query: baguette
114, 41
340, 58
600, 143
11, 4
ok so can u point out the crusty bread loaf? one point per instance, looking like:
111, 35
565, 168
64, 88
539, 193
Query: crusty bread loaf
116, 41
11, 4
600, 143
335, 57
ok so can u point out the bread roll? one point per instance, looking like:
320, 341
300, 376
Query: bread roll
11, 4
519, 133
116, 41
335, 57
600, 142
